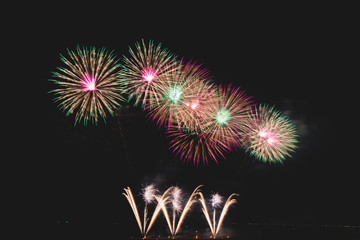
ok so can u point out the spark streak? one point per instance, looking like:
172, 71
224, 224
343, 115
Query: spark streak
187, 207
213, 227
129, 196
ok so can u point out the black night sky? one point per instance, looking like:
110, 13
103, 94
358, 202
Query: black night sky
285, 58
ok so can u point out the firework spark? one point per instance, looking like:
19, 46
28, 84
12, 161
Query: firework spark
230, 201
162, 201
176, 199
196, 146
270, 136
141, 72
227, 116
186, 209
129, 196
215, 201
185, 92
148, 194
89, 85
206, 213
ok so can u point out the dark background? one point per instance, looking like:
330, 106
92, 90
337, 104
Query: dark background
287, 56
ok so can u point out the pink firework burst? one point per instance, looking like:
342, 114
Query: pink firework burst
141, 72
148, 74
270, 135
88, 82
88, 85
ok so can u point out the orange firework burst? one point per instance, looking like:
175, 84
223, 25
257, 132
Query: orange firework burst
89, 85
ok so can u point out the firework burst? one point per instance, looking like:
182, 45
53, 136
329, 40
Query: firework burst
184, 95
227, 116
196, 147
141, 72
148, 193
89, 85
176, 199
216, 200
270, 136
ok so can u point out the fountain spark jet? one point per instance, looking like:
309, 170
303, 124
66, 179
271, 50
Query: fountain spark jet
187, 207
230, 201
206, 213
215, 201
148, 195
129, 196
161, 205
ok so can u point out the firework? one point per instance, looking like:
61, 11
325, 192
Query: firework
129, 196
216, 200
183, 97
230, 201
141, 72
187, 207
176, 199
270, 136
148, 194
196, 146
162, 201
89, 85
206, 213
227, 116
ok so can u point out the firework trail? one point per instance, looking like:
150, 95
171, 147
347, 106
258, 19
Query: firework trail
230, 201
186, 209
162, 201
196, 146
129, 196
206, 213
270, 135
227, 116
176, 200
141, 72
148, 194
89, 85
182, 99
216, 200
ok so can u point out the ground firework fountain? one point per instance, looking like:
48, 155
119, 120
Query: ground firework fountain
160, 199
174, 229
172, 197
215, 202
